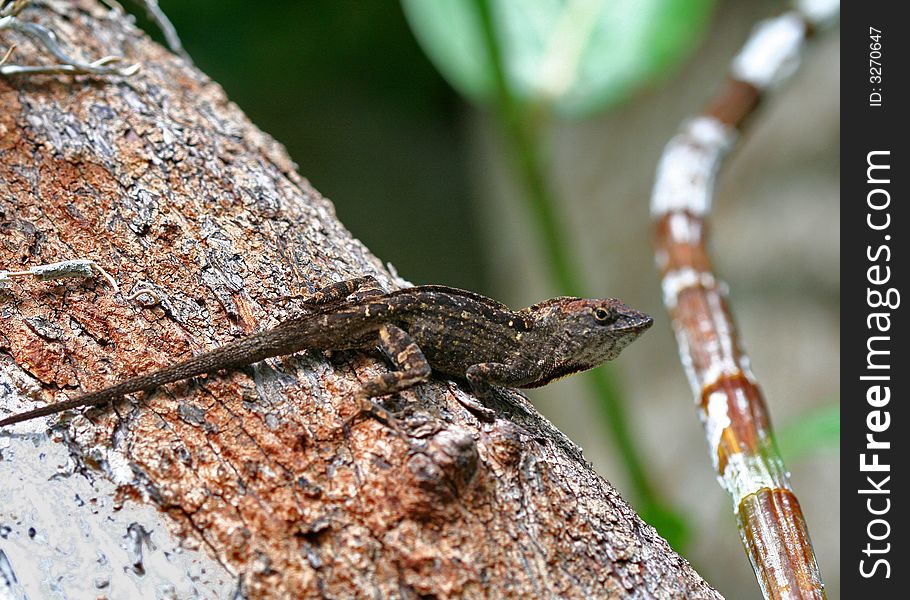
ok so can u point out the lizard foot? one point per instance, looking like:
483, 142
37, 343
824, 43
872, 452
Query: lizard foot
367, 408
483, 413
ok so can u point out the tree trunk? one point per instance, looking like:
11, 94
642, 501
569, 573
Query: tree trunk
166, 184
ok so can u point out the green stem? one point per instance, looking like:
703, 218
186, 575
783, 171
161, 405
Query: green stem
525, 145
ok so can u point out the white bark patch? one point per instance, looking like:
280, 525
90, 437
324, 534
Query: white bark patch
63, 535
717, 419
772, 52
820, 13
686, 171
676, 281
745, 474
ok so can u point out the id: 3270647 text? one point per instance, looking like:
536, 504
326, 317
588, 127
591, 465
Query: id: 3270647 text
875, 67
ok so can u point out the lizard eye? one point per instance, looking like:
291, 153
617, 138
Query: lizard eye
604, 316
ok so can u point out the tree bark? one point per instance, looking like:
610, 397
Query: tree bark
165, 183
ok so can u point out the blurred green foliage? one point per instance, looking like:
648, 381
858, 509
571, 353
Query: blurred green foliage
574, 57
817, 431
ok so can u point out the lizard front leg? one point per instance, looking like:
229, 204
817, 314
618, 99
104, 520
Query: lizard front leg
482, 376
411, 368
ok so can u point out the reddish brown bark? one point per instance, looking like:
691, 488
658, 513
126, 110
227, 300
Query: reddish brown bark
163, 181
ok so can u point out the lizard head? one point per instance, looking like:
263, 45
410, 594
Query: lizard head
585, 332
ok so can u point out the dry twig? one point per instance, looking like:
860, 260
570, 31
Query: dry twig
730, 403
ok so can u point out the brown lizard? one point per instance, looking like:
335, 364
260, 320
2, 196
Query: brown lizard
420, 329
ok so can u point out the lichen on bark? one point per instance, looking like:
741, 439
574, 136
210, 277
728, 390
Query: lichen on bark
164, 182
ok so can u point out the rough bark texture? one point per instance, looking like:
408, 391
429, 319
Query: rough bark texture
163, 181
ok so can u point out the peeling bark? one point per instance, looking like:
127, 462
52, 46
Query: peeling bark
165, 183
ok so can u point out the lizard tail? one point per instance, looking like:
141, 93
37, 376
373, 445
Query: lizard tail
50, 409
230, 356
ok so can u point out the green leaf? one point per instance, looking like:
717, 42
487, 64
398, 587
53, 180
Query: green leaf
813, 432
574, 57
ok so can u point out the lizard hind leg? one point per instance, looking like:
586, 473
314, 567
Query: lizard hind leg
358, 288
411, 368
335, 293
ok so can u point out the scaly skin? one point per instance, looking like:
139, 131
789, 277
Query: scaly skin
421, 329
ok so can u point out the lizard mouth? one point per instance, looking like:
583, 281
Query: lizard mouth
635, 321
